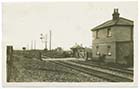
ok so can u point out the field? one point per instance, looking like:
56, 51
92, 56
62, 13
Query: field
25, 69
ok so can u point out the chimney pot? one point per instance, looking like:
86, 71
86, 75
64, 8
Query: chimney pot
115, 14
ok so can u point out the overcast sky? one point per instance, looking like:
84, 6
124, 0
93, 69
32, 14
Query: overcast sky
70, 22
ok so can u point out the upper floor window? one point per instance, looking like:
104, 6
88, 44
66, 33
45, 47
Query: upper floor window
97, 34
109, 34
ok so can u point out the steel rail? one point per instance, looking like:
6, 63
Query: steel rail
106, 67
96, 73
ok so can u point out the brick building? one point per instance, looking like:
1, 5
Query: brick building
114, 39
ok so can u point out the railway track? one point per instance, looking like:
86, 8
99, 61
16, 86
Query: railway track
123, 71
103, 75
110, 70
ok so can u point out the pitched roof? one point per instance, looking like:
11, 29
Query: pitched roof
120, 21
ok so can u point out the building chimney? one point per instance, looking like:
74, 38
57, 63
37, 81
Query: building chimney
115, 14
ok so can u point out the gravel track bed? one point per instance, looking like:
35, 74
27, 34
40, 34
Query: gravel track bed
104, 70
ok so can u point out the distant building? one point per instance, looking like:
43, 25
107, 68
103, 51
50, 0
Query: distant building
114, 39
78, 51
81, 52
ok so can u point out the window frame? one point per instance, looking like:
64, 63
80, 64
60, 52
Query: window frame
97, 50
97, 34
109, 33
109, 53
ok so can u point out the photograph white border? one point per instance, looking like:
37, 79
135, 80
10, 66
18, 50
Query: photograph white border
56, 84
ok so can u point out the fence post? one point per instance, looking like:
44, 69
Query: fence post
9, 62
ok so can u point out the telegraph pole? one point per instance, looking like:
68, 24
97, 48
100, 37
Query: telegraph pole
45, 41
34, 44
31, 44
50, 38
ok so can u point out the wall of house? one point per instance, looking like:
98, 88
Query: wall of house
102, 34
103, 49
119, 33
122, 33
124, 53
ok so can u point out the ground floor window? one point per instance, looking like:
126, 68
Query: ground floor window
109, 50
97, 50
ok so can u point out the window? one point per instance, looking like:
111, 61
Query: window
97, 33
97, 50
97, 53
109, 54
108, 50
109, 34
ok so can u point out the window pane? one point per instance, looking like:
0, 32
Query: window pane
97, 32
109, 32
